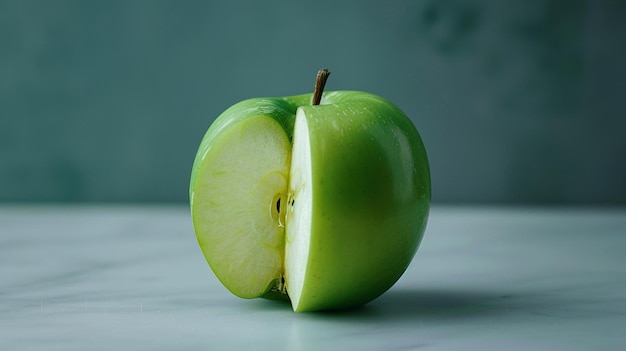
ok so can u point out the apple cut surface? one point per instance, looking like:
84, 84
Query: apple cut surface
299, 212
235, 204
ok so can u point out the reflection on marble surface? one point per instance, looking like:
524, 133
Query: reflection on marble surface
133, 278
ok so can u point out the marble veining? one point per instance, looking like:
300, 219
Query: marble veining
133, 278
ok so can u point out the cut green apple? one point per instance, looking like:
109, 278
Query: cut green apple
324, 205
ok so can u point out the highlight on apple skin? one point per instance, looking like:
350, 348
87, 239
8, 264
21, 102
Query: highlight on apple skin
321, 198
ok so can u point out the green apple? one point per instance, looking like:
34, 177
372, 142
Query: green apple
324, 204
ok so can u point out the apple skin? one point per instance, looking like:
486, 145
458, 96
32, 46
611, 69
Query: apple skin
370, 193
371, 198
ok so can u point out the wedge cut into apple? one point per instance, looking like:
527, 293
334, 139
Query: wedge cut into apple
324, 205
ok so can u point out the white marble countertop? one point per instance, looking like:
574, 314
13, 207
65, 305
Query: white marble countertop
133, 278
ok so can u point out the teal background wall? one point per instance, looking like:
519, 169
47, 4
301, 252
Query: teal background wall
517, 102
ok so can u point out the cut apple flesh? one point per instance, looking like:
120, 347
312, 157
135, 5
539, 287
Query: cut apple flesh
299, 217
236, 202
249, 196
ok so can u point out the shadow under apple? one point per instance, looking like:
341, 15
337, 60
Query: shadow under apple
418, 304
437, 304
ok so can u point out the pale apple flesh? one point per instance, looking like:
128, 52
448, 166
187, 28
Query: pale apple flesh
324, 203
240, 172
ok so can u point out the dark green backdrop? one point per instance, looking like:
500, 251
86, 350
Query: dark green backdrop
517, 102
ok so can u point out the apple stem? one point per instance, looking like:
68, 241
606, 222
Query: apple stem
320, 82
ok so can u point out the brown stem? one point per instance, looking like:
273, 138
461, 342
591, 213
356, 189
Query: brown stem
320, 82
